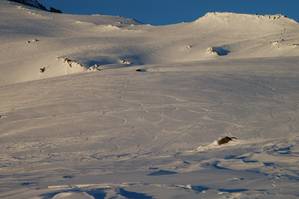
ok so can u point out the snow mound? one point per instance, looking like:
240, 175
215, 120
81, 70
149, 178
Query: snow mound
216, 144
73, 66
109, 28
73, 195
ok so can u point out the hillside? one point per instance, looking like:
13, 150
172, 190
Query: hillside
90, 43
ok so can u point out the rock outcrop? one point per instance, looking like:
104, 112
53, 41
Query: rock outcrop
36, 4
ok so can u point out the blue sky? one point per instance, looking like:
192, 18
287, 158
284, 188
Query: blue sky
160, 12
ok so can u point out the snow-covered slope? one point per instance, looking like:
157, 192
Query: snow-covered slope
120, 109
45, 40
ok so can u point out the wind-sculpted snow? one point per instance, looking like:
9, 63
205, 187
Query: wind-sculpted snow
152, 133
121, 110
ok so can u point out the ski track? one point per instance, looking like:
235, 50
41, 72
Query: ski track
25, 162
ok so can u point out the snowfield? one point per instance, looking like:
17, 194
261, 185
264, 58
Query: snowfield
105, 107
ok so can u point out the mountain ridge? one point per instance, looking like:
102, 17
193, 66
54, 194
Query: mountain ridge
32, 3
36, 4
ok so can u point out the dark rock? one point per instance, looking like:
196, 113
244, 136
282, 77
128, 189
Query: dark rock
226, 140
42, 69
67, 177
3, 116
54, 10
141, 70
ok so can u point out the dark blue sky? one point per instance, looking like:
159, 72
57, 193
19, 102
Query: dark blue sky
174, 11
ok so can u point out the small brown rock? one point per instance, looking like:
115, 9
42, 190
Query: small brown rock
226, 140
42, 69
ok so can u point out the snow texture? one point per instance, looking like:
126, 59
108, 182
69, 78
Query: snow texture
105, 107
